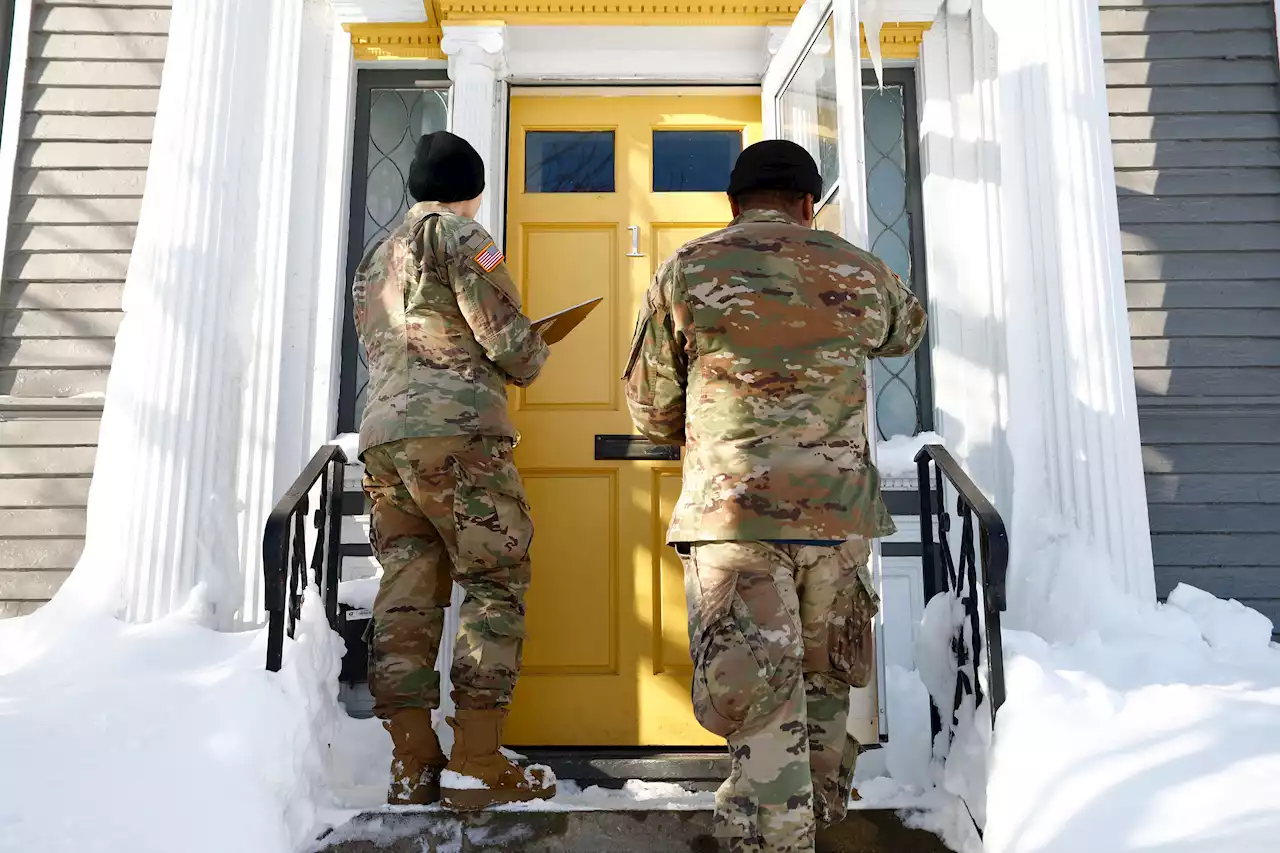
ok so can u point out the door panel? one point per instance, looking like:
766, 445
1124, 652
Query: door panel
569, 263
607, 658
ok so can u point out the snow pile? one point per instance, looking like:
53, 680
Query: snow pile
1225, 625
350, 444
1136, 746
896, 457
359, 593
1128, 725
164, 736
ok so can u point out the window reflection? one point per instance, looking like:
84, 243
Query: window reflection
694, 160
571, 161
808, 106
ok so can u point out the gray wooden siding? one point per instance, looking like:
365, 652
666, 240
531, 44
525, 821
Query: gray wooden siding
92, 83
1194, 96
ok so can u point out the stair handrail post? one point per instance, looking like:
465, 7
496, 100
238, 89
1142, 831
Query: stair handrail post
983, 568
284, 544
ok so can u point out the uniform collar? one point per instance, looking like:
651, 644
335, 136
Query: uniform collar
761, 215
423, 208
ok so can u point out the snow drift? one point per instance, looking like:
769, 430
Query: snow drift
159, 737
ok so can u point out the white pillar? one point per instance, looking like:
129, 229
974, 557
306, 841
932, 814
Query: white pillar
1066, 277
206, 413
477, 67
1029, 297
960, 166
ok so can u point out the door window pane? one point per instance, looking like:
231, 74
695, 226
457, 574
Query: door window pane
807, 107
694, 160
558, 161
897, 380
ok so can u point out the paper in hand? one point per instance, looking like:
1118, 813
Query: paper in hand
555, 327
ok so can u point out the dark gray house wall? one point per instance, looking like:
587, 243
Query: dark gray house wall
1195, 121
92, 81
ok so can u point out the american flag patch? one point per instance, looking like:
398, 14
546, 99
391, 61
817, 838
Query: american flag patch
489, 257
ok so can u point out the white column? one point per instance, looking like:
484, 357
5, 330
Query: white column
206, 410
961, 182
1029, 301
477, 65
1066, 277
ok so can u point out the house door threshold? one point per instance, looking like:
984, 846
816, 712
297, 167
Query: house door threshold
611, 767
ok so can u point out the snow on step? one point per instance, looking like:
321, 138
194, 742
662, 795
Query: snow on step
632, 831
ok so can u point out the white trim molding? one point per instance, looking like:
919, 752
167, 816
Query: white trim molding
637, 54
911, 11
1033, 373
378, 11
14, 99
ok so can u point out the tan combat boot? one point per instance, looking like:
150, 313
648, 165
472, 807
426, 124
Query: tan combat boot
416, 759
479, 775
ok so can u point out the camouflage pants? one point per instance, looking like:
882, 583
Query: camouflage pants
447, 509
778, 635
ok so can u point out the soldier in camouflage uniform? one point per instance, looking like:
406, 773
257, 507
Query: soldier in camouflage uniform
441, 323
751, 351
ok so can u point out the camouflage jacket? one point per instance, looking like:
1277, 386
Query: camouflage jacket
441, 323
751, 351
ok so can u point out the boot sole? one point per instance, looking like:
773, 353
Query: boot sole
478, 799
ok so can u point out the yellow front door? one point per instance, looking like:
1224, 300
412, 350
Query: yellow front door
602, 189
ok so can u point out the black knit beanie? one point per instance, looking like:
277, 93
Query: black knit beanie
445, 168
775, 164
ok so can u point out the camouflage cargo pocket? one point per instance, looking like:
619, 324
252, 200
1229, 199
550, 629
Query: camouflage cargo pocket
853, 651
746, 646
491, 517
725, 673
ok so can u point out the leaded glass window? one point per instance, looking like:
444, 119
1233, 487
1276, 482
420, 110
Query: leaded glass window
393, 109
901, 407
904, 404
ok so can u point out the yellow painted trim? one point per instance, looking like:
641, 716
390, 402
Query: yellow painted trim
372, 42
619, 13
898, 41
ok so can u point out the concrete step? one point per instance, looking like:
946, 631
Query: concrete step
435, 831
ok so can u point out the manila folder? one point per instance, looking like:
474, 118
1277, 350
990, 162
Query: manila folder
555, 327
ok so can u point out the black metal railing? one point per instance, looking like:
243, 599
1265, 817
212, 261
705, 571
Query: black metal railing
978, 581
285, 563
